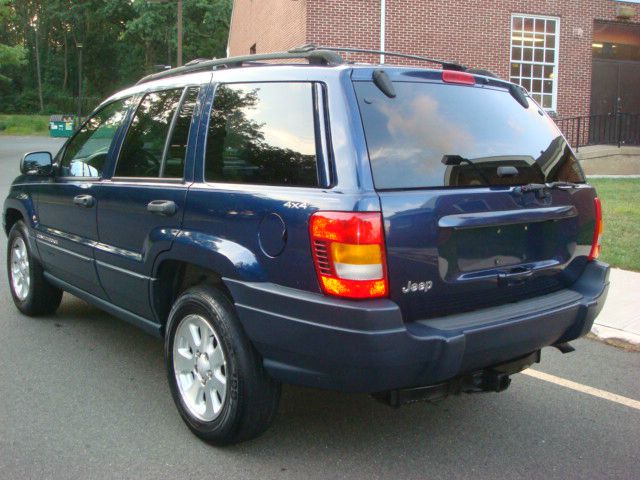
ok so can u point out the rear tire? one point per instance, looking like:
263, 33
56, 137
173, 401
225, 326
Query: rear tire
30, 290
216, 377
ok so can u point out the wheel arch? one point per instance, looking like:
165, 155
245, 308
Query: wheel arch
11, 217
18, 206
174, 277
196, 258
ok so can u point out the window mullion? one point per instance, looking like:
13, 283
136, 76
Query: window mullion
167, 142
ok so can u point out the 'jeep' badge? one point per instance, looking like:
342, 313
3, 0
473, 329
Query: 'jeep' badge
417, 286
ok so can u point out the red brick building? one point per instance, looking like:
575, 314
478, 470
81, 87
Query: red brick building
574, 56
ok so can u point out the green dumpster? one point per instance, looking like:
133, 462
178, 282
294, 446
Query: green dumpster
61, 125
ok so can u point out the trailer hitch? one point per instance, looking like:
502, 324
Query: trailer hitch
494, 379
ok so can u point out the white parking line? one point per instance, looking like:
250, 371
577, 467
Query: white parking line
596, 392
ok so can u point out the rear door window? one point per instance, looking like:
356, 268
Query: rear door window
156, 142
262, 133
439, 135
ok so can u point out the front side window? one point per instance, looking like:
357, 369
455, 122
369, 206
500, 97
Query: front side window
262, 133
143, 147
86, 153
534, 57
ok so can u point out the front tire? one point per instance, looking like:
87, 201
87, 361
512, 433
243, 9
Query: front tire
216, 377
31, 292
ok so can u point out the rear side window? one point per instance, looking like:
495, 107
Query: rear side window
438, 135
156, 142
262, 133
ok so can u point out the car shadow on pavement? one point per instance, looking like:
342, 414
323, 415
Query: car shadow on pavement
313, 427
304, 413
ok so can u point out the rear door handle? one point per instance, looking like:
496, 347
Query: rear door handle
514, 276
166, 208
85, 201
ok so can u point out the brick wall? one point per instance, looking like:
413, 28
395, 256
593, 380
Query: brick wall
272, 25
345, 23
475, 33
478, 33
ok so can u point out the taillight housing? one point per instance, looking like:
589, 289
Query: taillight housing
349, 253
596, 245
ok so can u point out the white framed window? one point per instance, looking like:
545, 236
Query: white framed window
534, 56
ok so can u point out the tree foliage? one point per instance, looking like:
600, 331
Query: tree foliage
10, 55
122, 40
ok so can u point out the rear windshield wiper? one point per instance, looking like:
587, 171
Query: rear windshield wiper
532, 187
457, 160
541, 189
562, 184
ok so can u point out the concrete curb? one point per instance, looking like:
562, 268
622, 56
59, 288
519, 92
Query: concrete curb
619, 320
612, 176
610, 160
616, 337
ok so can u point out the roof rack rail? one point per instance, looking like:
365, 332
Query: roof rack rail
447, 65
315, 56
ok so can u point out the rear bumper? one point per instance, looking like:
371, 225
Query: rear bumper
314, 340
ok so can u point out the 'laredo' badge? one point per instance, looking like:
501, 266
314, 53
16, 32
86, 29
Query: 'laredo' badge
417, 286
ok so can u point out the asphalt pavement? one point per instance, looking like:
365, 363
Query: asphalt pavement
84, 395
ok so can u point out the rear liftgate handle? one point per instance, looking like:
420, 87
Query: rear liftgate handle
515, 276
165, 208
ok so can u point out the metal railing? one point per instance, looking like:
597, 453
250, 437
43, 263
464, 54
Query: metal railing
608, 129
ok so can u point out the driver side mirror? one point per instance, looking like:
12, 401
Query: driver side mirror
37, 163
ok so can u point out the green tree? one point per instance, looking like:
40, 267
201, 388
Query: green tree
10, 55
122, 40
151, 28
207, 25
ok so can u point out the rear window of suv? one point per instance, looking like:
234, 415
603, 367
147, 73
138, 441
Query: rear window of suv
439, 135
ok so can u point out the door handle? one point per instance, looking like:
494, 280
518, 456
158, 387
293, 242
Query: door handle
515, 276
162, 207
86, 201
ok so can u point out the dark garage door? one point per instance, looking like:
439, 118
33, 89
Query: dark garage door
615, 92
615, 86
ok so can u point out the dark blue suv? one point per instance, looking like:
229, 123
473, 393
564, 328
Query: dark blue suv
405, 232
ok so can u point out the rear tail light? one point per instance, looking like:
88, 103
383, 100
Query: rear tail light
348, 252
453, 76
597, 234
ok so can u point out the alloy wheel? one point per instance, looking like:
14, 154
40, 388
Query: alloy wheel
20, 277
200, 367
